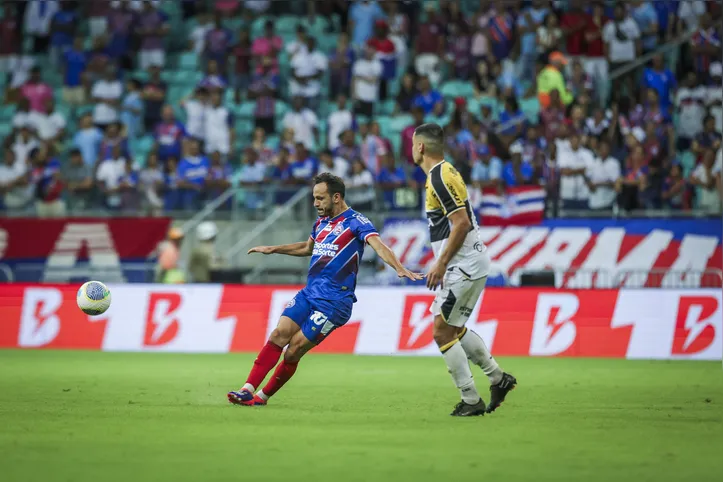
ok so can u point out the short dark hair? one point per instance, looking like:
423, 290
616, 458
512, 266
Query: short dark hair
334, 184
433, 134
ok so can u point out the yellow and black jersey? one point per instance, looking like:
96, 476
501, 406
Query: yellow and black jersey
446, 193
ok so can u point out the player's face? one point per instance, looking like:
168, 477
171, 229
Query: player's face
416, 151
323, 202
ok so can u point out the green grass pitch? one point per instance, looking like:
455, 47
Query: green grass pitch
89, 416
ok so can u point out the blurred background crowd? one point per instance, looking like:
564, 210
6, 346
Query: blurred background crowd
159, 107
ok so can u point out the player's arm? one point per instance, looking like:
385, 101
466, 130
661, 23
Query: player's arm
458, 232
388, 256
301, 249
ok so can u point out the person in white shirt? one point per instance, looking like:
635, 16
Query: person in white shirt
704, 178
303, 122
339, 121
22, 114
573, 164
106, 94
714, 95
25, 143
195, 107
601, 176
622, 36
360, 187
197, 37
334, 165
308, 67
689, 12
16, 192
49, 126
297, 45
38, 19
690, 106
109, 175
219, 123
366, 73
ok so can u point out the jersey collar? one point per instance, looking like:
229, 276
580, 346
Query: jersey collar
344, 211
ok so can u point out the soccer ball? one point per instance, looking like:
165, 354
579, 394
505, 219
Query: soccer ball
93, 298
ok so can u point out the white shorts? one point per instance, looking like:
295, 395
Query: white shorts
457, 297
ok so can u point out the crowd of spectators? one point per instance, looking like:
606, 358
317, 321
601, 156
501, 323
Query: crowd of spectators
530, 92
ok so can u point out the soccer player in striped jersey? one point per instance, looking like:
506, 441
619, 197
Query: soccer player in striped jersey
336, 245
460, 271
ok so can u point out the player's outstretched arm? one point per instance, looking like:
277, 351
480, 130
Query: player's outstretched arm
301, 249
390, 258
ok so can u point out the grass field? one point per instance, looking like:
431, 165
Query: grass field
86, 416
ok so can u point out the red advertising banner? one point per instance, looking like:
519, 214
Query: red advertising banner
60, 246
647, 324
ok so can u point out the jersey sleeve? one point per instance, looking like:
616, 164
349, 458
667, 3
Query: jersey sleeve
314, 228
362, 228
450, 189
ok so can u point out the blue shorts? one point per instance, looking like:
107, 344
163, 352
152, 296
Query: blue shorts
318, 318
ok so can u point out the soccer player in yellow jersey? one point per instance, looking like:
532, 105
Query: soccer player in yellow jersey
459, 271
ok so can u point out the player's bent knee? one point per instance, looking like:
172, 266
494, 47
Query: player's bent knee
279, 338
442, 332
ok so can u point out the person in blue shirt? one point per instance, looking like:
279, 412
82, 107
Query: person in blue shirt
666, 11
132, 110
512, 120
517, 172
62, 28
218, 179
487, 171
362, 15
389, 179
662, 80
193, 170
646, 17
169, 134
427, 97
336, 246
88, 139
171, 184
530, 19
75, 61
304, 167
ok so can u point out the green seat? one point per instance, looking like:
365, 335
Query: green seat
7, 112
188, 61
400, 122
280, 109
457, 88
530, 106
142, 146
286, 24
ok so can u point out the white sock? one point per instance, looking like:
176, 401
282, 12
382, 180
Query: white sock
458, 367
249, 387
476, 350
263, 396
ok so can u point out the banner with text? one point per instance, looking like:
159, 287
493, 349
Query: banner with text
646, 324
586, 253
59, 250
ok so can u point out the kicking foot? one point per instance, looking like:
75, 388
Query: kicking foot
499, 392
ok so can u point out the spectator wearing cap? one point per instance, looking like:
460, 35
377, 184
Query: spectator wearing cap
219, 121
152, 29
714, 97
550, 78
362, 15
517, 172
487, 170
366, 77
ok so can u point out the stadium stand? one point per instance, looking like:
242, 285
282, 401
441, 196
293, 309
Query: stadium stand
150, 107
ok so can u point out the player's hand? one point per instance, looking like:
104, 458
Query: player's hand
262, 250
403, 272
435, 276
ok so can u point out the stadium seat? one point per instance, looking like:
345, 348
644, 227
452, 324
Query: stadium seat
457, 88
188, 61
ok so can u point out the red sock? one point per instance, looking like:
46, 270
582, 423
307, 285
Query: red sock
281, 375
268, 356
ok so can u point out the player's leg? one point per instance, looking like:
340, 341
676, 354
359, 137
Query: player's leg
297, 309
478, 353
446, 335
324, 318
